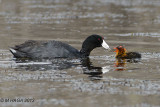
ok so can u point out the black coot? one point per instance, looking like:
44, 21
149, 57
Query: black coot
55, 49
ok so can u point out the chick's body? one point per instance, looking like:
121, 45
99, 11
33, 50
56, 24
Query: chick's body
121, 52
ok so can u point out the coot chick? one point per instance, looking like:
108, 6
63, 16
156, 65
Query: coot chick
55, 49
121, 52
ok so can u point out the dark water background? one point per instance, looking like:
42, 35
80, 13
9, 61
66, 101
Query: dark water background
99, 81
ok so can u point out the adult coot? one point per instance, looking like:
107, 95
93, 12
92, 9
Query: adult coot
121, 52
55, 49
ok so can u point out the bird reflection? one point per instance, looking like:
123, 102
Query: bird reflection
62, 64
92, 70
120, 64
44, 65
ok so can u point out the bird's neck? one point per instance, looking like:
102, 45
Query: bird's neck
85, 52
87, 47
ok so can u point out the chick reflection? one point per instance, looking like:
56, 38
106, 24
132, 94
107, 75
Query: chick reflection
120, 64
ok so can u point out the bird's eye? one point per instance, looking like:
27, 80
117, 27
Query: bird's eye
99, 39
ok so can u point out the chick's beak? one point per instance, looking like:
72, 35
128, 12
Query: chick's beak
105, 45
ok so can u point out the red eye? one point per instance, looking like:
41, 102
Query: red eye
99, 39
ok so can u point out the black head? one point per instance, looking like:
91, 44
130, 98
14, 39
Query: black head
92, 42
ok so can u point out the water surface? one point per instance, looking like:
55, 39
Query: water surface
100, 80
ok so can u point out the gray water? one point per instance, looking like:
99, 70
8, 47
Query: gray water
100, 81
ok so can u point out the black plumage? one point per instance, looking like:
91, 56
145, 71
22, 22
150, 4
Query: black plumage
55, 49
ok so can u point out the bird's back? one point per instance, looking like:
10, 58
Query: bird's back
42, 49
131, 55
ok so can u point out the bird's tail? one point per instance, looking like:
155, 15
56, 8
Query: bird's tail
17, 54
